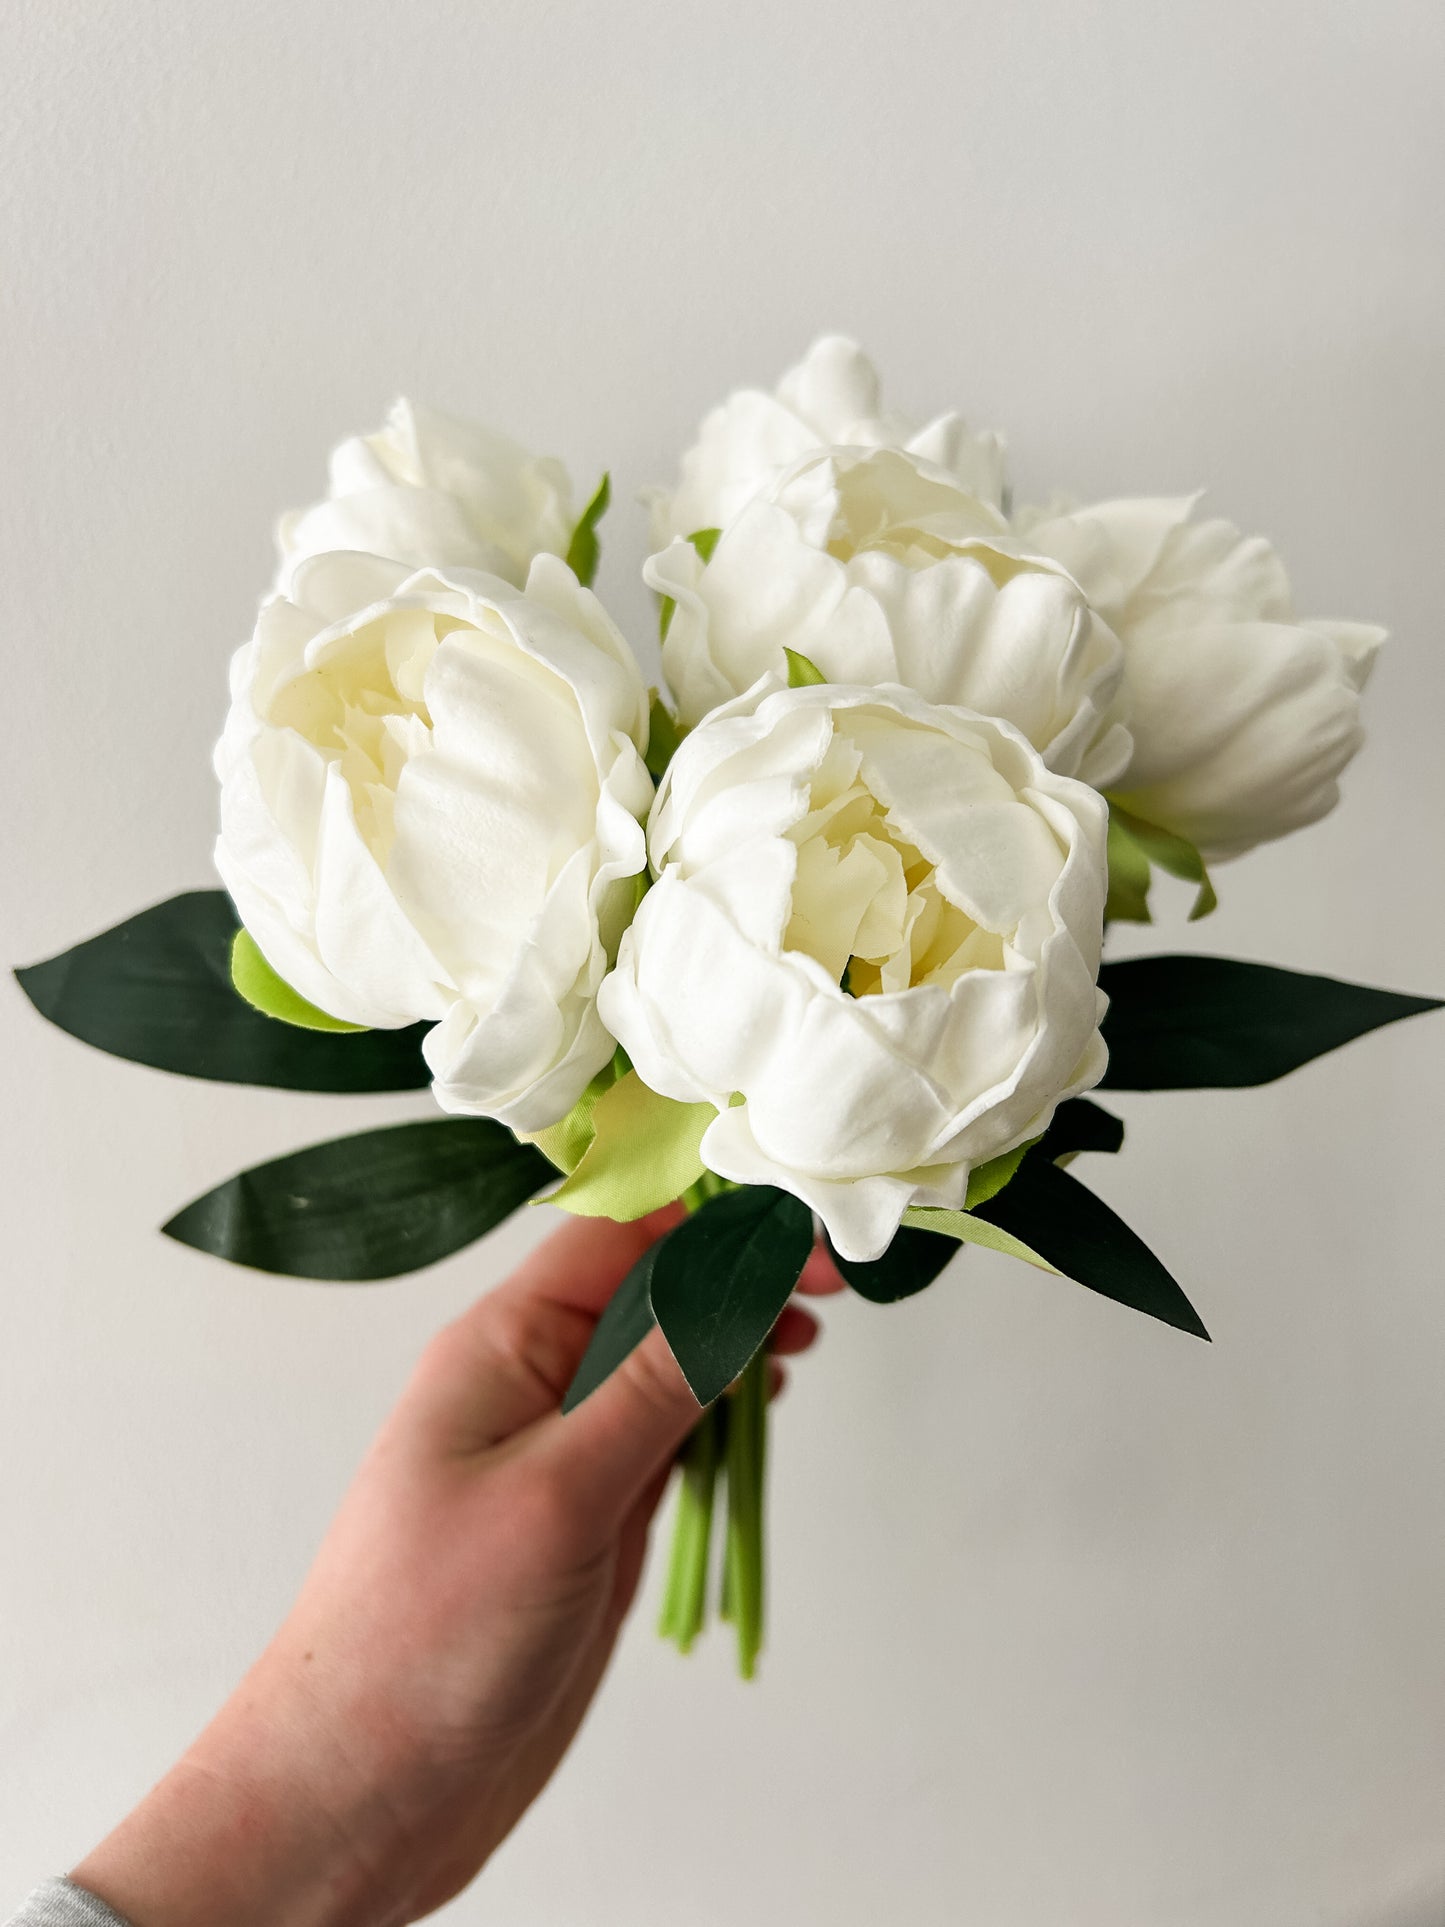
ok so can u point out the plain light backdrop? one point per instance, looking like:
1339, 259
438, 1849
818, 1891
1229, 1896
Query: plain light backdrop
1076, 1623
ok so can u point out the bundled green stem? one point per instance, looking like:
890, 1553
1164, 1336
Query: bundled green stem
728, 1445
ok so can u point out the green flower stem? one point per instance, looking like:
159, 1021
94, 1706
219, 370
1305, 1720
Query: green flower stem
729, 1441
746, 1464
684, 1603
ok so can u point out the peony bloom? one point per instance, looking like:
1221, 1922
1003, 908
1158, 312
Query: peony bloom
434, 492
431, 786
832, 396
872, 944
879, 568
1242, 715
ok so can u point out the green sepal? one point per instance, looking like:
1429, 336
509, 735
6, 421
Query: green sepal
644, 1152
910, 1264
157, 990
370, 1206
704, 541
1135, 844
263, 990
584, 550
626, 1320
984, 1180
802, 673
565, 1142
1196, 1023
721, 1278
664, 734
1128, 899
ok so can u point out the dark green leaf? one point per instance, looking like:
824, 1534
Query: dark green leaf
1187, 1023
911, 1263
1079, 1125
624, 1324
722, 1277
369, 1206
157, 990
584, 551
663, 736
1080, 1236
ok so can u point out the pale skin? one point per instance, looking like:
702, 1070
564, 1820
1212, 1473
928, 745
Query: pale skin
451, 1634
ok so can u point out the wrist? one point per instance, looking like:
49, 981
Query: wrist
262, 1823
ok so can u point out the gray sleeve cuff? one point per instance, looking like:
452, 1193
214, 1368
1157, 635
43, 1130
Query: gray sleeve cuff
56, 1903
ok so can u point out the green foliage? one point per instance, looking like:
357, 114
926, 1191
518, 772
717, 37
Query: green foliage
644, 1152
157, 990
1076, 1233
664, 734
369, 1206
624, 1324
584, 551
986, 1179
910, 1264
1079, 1125
1190, 1023
259, 984
1134, 845
802, 673
722, 1277
971, 1230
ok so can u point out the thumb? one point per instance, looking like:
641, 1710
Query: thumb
617, 1441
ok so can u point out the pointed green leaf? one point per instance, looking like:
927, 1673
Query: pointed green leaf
644, 1153
157, 990
369, 1206
909, 1265
624, 1324
1077, 1234
258, 983
721, 1278
1191, 1023
664, 733
584, 551
802, 674
971, 1230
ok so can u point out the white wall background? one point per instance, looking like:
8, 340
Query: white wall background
1077, 1624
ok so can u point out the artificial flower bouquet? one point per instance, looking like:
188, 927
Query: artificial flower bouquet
810, 939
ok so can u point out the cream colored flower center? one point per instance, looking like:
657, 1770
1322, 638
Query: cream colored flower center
364, 705
885, 504
866, 902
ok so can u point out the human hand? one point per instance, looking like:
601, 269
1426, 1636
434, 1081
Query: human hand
452, 1632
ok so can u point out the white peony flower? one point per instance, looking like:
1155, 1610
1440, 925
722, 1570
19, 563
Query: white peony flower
832, 396
872, 944
430, 802
879, 568
434, 492
1242, 715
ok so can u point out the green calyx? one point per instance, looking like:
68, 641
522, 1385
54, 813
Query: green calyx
1135, 848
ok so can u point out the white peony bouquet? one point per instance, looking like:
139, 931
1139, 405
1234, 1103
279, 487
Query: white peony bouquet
810, 939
